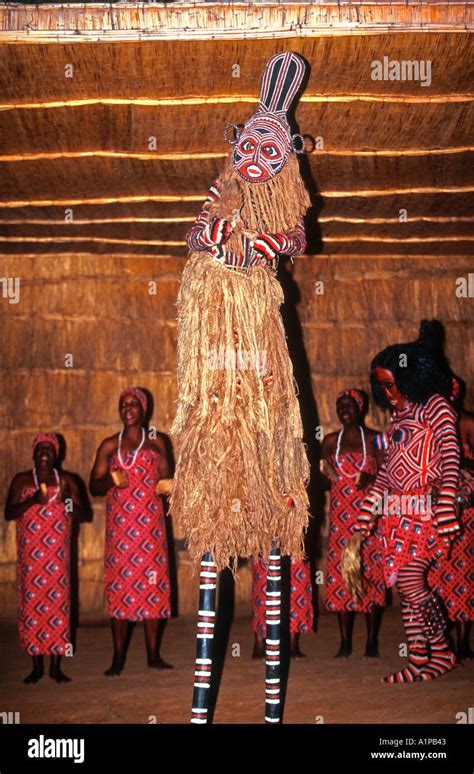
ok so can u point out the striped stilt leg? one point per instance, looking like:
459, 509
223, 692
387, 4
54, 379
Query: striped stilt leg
205, 637
272, 646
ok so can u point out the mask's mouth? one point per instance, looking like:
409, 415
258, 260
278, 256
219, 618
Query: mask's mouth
253, 171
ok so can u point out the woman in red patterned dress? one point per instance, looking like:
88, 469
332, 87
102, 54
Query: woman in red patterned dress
127, 469
301, 606
415, 496
349, 461
43, 502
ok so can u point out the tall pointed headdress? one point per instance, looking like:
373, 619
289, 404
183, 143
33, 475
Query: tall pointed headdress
262, 149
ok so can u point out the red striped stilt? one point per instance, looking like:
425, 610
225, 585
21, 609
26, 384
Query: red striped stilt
273, 638
204, 641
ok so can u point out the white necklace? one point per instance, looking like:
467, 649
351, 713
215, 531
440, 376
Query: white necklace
134, 458
364, 451
58, 487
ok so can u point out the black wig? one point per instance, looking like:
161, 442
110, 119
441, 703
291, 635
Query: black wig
418, 373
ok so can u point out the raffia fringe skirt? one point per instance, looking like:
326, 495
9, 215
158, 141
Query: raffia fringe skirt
240, 454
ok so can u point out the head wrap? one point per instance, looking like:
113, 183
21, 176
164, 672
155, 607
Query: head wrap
51, 438
137, 393
355, 395
262, 149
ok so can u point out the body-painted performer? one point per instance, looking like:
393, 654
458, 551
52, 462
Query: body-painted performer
128, 468
301, 606
43, 501
452, 577
415, 496
349, 460
241, 473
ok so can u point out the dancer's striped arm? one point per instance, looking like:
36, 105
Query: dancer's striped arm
441, 417
205, 233
291, 244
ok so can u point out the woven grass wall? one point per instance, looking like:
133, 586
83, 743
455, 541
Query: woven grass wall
100, 311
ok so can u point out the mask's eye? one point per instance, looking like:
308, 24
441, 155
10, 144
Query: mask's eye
270, 151
247, 146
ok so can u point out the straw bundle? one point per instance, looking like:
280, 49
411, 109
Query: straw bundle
351, 562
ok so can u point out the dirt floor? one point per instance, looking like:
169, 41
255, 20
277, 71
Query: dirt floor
320, 688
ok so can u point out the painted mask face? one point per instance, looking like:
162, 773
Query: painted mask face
262, 150
389, 388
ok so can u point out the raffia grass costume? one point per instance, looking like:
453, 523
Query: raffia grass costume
240, 450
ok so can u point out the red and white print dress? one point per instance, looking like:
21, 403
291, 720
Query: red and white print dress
301, 607
422, 453
453, 578
43, 536
346, 502
136, 573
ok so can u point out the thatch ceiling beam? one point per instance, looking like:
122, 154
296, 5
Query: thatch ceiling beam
70, 202
231, 100
197, 21
190, 219
197, 156
431, 205
182, 243
155, 257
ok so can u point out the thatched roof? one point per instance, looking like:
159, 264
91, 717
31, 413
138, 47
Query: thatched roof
86, 88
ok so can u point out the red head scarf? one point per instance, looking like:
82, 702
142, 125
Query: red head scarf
51, 438
355, 395
137, 393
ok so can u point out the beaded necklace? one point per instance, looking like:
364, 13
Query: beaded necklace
134, 458
338, 449
58, 487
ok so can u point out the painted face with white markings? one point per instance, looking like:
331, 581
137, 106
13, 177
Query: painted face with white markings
262, 150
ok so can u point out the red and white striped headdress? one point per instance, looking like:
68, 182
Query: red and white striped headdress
263, 147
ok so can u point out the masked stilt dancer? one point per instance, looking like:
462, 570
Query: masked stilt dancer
349, 461
43, 501
414, 496
241, 473
128, 468
301, 607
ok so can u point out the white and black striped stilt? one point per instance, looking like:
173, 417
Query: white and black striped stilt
273, 638
205, 639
